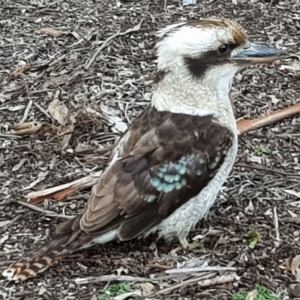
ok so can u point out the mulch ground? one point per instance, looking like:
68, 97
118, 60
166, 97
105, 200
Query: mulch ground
106, 92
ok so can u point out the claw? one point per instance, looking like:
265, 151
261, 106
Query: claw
185, 245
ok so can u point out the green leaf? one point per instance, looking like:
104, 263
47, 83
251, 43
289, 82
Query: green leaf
254, 237
102, 297
263, 294
252, 244
114, 290
240, 296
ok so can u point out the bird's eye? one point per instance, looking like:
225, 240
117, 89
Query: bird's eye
223, 49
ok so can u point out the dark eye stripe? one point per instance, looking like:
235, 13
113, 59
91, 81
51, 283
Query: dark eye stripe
198, 66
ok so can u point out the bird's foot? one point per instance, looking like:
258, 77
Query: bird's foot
185, 245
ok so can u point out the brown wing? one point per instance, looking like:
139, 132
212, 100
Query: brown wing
164, 160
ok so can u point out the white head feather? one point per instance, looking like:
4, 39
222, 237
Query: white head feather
180, 91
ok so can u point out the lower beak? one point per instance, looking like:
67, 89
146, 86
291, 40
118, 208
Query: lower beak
257, 53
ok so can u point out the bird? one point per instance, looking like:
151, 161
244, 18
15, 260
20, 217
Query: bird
167, 168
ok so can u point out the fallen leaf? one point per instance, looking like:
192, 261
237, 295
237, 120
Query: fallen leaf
58, 111
68, 126
53, 32
13, 108
19, 165
41, 176
295, 264
252, 295
27, 128
114, 119
19, 71
147, 288
4, 223
295, 66
291, 192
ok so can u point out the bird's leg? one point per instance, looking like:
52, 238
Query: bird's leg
185, 245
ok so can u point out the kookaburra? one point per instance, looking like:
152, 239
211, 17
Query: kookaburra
166, 170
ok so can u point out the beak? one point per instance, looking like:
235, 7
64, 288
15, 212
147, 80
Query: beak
256, 54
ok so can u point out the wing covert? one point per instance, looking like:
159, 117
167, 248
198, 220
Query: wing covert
168, 158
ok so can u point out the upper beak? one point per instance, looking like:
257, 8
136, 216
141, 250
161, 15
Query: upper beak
257, 53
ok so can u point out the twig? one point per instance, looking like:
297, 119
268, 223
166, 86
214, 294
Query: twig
200, 269
8, 136
248, 125
106, 42
46, 212
39, 91
61, 191
26, 112
265, 169
4, 228
277, 242
160, 267
175, 286
20, 71
112, 277
219, 280
294, 220
41, 109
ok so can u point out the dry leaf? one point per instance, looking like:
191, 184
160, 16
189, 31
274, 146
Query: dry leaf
113, 118
13, 108
58, 111
68, 126
19, 71
53, 32
27, 128
66, 131
294, 66
147, 288
19, 165
295, 264
252, 295
41, 176
291, 192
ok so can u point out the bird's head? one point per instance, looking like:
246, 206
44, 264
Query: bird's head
197, 61
209, 47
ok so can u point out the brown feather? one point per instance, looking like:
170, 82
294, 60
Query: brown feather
155, 138
47, 255
125, 198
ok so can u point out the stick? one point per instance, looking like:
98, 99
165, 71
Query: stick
20, 71
5, 227
219, 280
61, 191
244, 126
42, 110
106, 42
107, 278
173, 287
200, 269
247, 125
265, 169
277, 242
46, 212
26, 112
179, 285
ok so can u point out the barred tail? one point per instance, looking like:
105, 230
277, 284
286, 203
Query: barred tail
49, 254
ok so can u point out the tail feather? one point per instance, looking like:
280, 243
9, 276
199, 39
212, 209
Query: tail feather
48, 255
